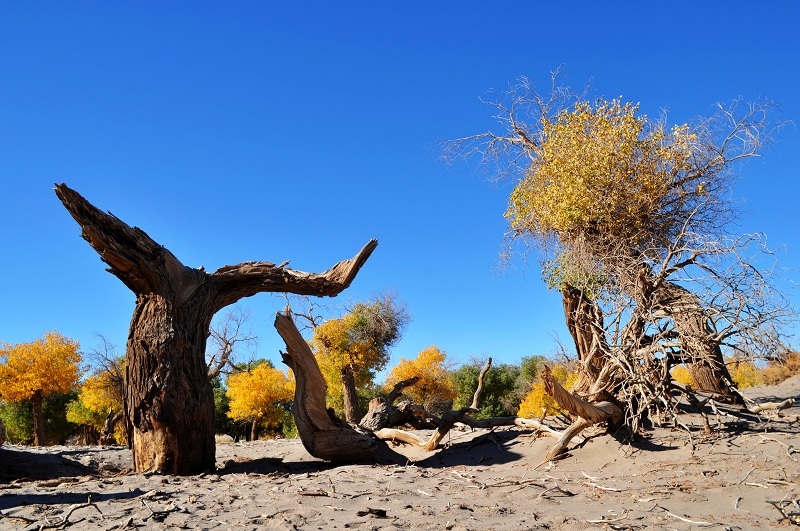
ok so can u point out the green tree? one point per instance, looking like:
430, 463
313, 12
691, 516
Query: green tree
499, 396
18, 419
34, 371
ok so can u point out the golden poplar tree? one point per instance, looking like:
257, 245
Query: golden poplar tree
434, 387
36, 370
98, 395
260, 396
351, 349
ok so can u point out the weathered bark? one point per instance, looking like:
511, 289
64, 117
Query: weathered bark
350, 395
398, 388
698, 344
476, 398
107, 435
588, 414
38, 418
90, 435
322, 434
254, 430
169, 404
584, 321
382, 412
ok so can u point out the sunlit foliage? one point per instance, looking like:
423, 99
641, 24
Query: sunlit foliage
261, 395
782, 367
537, 403
744, 373
499, 395
50, 365
602, 170
98, 395
33, 371
434, 388
682, 375
358, 342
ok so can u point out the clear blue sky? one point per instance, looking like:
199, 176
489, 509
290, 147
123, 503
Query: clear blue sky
233, 131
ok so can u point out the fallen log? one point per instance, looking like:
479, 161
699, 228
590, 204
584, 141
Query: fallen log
322, 434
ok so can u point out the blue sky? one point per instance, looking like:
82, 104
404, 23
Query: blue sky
298, 131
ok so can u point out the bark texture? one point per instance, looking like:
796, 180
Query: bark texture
38, 418
322, 434
169, 404
699, 346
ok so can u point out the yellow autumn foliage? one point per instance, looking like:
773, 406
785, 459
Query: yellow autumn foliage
96, 397
261, 394
682, 375
537, 403
50, 365
433, 387
744, 374
336, 347
600, 169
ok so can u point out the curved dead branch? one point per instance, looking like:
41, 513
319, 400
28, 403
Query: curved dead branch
323, 435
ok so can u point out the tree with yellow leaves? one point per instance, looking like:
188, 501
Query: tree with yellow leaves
261, 396
537, 404
33, 371
98, 398
434, 388
351, 349
632, 215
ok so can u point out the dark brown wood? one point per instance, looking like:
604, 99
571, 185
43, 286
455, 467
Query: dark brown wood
350, 395
398, 388
38, 418
698, 344
322, 434
169, 403
382, 412
107, 435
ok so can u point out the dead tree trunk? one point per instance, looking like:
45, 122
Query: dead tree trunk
322, 434
584, 321
107, 435
169, 405
383, 413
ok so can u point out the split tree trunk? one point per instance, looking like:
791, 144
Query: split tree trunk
169, 405
584, 321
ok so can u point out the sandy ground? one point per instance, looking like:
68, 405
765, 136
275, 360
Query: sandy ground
745, 476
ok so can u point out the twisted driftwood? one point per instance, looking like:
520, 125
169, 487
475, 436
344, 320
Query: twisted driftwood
588, 414
322, 434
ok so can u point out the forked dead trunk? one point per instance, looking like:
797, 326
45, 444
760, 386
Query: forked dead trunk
169, 405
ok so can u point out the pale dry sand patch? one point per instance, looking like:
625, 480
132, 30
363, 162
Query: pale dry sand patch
732, 479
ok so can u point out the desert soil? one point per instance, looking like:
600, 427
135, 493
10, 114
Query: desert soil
745, 475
